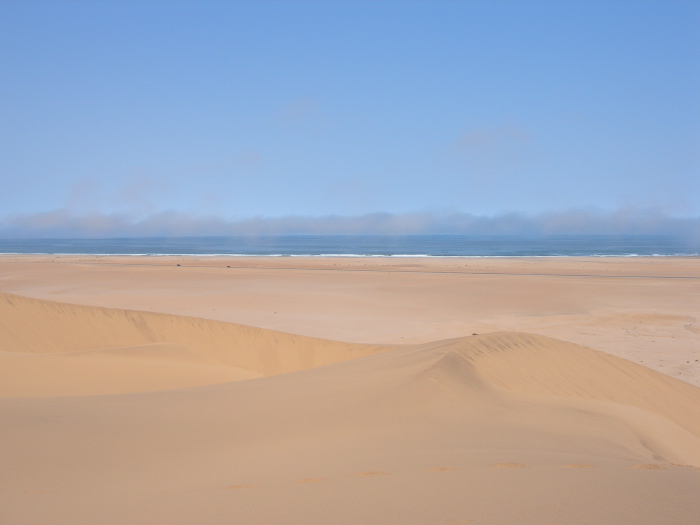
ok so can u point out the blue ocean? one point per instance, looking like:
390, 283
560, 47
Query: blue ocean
366, 245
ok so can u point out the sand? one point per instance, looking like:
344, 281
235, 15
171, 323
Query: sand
292, 390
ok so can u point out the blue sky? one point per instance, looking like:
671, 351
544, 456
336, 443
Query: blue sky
118, 113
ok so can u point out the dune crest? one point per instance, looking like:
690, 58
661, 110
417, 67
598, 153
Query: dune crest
662, 412
540, 365
54, 349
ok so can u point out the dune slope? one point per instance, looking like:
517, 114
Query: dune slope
54, 349
496, 428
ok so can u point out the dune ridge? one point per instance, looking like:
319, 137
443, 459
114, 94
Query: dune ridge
540, 365
664, 412
43, 344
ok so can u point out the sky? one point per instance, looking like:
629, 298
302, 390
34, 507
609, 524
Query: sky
202, 117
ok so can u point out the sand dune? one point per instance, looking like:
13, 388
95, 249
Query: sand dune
139, 368
54, 349
494, 428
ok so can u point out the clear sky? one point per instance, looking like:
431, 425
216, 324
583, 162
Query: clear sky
227, 111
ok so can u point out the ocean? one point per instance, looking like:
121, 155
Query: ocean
366, 246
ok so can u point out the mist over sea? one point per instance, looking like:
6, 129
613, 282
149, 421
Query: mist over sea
366, 245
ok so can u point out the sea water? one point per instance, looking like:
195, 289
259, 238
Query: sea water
366, 246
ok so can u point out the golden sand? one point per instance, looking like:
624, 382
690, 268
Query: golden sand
311, 391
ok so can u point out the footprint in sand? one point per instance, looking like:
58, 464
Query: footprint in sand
235, 487
509, 465
650, 466
372, 473
444, 469
311, 480
577, 465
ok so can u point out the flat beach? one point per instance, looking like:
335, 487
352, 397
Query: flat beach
351, 390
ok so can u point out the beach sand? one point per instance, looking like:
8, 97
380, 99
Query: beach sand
349, 390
